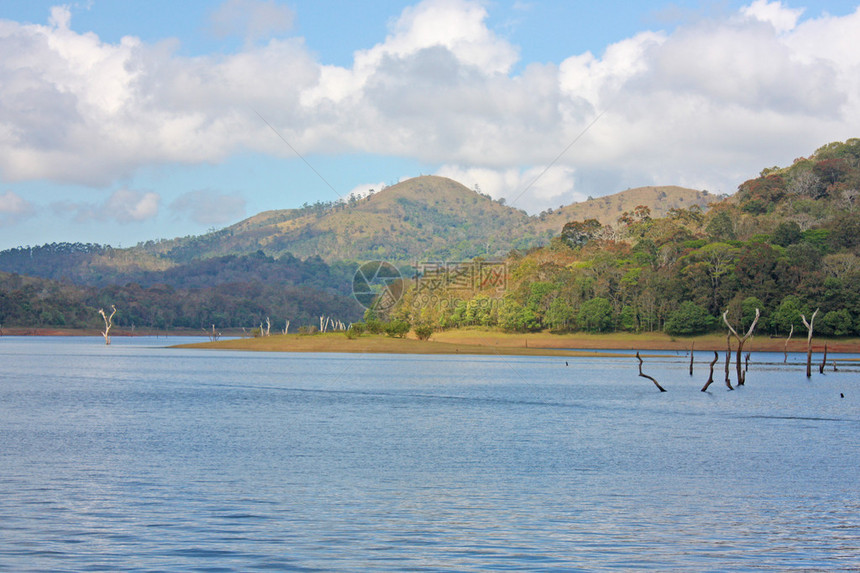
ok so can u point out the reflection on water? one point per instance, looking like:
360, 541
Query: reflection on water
135, 457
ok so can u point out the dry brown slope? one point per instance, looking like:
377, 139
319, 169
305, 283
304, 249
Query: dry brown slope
607, 209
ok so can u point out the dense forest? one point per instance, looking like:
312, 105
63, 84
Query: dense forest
786, 243
228, 292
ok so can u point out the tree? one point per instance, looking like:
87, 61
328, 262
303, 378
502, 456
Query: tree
578, 233
809, 326
689, 319
108, 323
560, 314
786, 233
595, 315
787, 316
721, 227
741, 340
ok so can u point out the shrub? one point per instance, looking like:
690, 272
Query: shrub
396, 328
423, 331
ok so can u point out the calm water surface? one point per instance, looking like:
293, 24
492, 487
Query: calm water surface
139, 458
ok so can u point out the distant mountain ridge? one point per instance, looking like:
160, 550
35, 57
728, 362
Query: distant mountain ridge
422, 217
419, 219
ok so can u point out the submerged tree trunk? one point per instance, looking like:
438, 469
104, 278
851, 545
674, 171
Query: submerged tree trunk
741, 340
691, 358
108, 323
728, 360
785, 348
809, 326
657, 384
711, 375
823, 361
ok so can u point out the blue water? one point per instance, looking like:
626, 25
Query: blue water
135, 457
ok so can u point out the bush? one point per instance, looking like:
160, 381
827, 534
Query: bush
423, 331
396, 328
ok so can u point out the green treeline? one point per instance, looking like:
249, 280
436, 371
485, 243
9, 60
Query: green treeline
786, 243
229, 292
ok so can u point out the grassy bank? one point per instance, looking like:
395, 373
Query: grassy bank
475, 341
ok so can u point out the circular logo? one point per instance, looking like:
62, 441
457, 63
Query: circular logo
377, 285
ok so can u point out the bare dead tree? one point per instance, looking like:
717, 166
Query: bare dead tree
809, 326
823, 361
711, 375
286, 326
746, 363
728, 360
691, 357
108, 323
646, 376
785, 348
268, 327
741, 340
212, 334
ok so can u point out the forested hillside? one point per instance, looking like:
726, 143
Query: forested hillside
228, 292
425, 218
787, 243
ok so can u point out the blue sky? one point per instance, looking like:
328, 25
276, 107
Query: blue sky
123, 121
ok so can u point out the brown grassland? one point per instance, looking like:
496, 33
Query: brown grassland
475, 341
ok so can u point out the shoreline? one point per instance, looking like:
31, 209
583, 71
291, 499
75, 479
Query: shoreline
531, 344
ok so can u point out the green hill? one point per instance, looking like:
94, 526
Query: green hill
426, 217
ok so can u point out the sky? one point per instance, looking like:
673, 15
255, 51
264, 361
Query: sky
123, 121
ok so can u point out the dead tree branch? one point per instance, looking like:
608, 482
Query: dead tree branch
711, 375
809, 326
823, 361
108, 323
785, 348
691, 357
657, 384
741, 340
728, 360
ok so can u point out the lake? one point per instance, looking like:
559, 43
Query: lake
136, 457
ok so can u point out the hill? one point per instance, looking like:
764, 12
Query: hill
421, 219
607, 210
425, 216
786, 246
428, 217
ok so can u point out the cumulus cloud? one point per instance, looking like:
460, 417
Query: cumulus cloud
365, 189
782, 18
251, 19
123, 206
705, 105
14, 208
208, 207
536, 189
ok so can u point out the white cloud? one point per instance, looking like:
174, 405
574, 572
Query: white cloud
208, 207
364, 190
251, 19
123, 206
782, 18
533, 189
706, 105
14, 208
